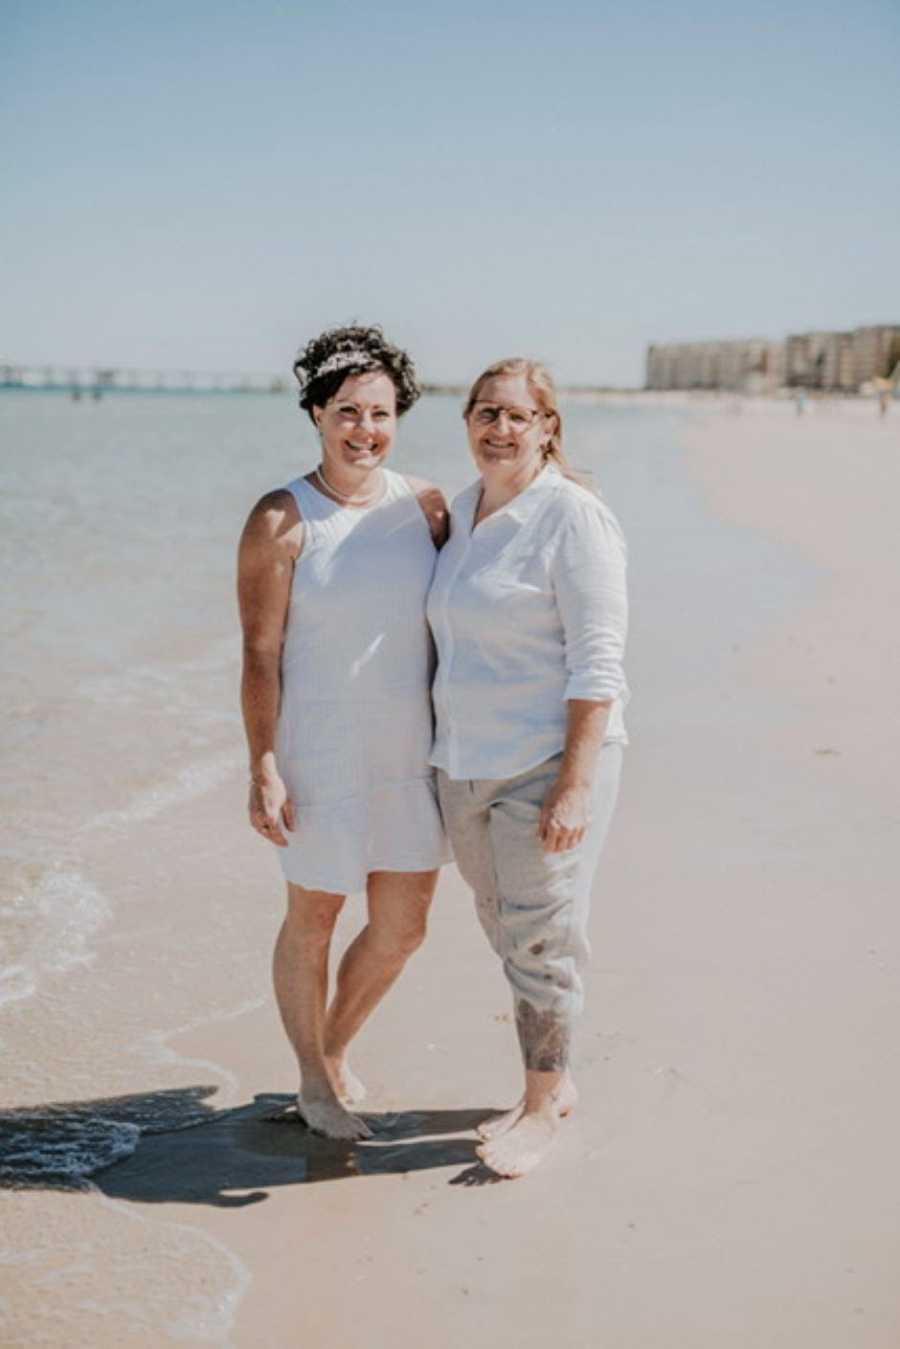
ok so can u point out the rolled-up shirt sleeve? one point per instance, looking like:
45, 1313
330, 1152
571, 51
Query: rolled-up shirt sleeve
589, 582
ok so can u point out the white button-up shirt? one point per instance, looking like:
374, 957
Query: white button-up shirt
528, 609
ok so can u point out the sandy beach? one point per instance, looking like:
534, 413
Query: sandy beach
730, 1176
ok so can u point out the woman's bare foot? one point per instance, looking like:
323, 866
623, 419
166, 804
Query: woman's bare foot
525, 1143
329, 1117
566, 1101
347, 1086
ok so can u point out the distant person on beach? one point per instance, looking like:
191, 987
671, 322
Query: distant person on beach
333, 575
528, 611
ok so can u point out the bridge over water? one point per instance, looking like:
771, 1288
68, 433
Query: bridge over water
96, 380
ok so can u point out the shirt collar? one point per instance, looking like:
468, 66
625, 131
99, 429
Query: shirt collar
522, 506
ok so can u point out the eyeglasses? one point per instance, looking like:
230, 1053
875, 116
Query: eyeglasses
486, 414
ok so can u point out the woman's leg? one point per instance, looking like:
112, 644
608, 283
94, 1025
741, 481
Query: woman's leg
300, 972
469, 809
543, 905
398, 904
466, 810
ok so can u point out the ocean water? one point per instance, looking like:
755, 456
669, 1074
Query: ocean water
127, 871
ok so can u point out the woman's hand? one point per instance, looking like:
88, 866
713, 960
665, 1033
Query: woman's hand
565, 816
270, 807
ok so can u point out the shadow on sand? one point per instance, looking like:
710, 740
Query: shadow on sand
181, 1150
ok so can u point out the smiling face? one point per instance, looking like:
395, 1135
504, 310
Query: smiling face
507, 428
359, 423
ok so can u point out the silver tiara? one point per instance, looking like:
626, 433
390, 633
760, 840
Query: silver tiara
340, 361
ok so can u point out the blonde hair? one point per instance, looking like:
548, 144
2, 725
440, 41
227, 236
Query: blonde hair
543, 391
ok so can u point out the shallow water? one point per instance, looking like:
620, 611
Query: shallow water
128, 878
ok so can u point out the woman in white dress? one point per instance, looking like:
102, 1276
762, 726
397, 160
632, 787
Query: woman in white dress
528, 612
334, 571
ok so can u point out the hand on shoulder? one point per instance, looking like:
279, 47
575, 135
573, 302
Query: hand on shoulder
434, 507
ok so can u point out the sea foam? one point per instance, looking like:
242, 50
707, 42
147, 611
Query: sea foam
54, 925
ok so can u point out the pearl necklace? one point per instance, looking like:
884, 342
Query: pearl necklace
342, 496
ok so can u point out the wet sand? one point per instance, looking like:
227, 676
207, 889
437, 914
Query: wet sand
730, 1176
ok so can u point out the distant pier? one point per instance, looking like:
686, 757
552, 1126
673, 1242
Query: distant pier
96, 380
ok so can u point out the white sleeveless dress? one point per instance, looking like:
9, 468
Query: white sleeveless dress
355, 726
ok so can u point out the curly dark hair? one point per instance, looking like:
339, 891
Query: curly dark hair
352, 351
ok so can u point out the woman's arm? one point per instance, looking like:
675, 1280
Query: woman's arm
268, 550
589, 581
565, 814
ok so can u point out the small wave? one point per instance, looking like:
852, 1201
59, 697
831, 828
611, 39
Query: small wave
137, 683
192, 781
163, 1052
57, 919
60, 1153
73, 910
60, 1146
16, 981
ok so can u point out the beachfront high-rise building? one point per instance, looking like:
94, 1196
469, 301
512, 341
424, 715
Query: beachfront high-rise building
750, 364
876, 351
838, 368
815, 360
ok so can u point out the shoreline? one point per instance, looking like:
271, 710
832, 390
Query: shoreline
595, 394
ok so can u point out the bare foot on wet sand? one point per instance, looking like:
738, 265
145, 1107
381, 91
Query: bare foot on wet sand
525, 1143
565, 1102
347, 1086
329, 1117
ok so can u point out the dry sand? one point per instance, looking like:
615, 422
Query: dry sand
731, 1176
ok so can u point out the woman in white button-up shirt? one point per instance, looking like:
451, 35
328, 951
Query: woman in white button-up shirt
528, 611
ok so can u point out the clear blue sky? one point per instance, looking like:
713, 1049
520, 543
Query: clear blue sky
205, 185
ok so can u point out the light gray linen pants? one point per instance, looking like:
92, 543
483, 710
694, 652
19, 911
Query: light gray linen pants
532, 904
